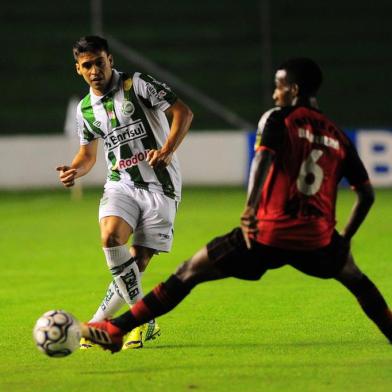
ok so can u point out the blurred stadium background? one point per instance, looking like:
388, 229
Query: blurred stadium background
221, 55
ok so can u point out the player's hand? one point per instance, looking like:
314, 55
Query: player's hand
249, 225
159, 158
67, 175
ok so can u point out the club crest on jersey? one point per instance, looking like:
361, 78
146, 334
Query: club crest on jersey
127, 108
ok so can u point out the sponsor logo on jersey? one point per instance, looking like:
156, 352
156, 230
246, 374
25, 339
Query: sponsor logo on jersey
97, 123
155, 93
131, 161
124, 134
127, 108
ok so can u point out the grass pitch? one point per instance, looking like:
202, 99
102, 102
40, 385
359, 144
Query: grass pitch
285, 332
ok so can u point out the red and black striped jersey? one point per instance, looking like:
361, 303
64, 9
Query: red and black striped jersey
312, 155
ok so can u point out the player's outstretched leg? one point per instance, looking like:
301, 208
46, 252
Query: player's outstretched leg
368, 296
169, 294
163, 298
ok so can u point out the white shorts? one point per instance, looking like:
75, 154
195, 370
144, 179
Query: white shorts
151, 215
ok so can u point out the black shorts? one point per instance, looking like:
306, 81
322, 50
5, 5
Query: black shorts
231, 256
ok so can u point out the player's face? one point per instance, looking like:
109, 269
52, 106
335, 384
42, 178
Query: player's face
285, 93
96, 69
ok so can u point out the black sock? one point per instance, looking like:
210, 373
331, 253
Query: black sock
372, 303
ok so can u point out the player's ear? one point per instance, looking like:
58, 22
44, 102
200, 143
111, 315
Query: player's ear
77, 67
111, 61
294, 90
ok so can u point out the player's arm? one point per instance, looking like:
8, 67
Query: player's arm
82, 163
181, 118
260, 168
365, 199
355, 172
270, 136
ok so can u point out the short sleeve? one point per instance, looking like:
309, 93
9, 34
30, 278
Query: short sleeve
153, 93
270, 130
84, 133
353, 168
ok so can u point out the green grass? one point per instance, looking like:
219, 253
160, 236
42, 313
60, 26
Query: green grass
285, 332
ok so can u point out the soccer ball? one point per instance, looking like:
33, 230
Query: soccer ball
57, 333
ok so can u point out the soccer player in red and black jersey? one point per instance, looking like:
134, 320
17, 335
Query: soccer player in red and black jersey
289, 217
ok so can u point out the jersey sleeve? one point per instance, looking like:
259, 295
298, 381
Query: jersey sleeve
153, 93
353, 168
270, 131
85, 134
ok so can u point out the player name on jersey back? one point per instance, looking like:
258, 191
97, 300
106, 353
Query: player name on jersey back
318, 139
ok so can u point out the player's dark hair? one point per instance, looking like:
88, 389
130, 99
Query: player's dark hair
90, 43
304, 72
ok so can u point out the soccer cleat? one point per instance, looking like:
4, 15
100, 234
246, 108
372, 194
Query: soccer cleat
141, 334
135, 338
106, 334
85, 344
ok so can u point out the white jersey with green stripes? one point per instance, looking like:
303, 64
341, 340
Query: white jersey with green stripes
130, 120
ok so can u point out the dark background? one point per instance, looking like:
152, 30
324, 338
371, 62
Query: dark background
213, 46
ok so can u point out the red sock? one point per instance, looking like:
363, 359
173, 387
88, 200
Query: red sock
160, 300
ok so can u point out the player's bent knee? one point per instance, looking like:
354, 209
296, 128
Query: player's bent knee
184, 271
110, 239
191, 274
114, 231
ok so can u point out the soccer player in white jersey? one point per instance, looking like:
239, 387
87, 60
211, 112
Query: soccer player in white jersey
143, 187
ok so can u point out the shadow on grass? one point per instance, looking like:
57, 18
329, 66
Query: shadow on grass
277, 346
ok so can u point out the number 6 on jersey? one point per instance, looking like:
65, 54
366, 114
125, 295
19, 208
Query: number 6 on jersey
310, 174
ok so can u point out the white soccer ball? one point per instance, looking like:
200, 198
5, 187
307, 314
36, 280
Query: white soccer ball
57, 333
